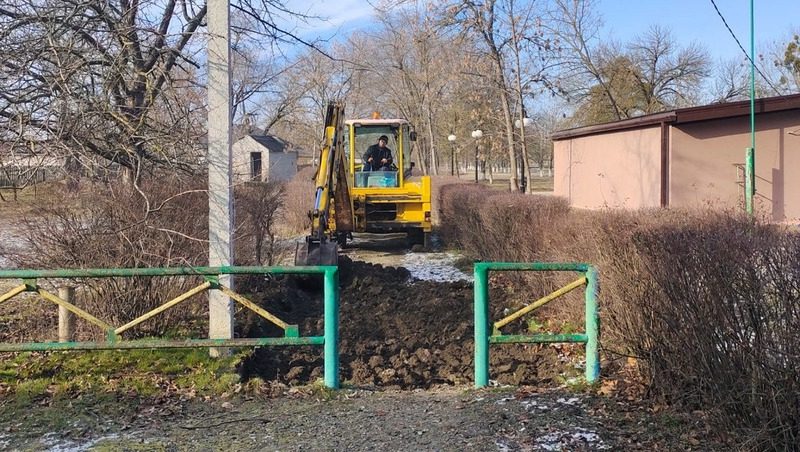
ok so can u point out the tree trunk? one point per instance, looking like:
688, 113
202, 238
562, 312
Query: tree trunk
434, 167
513, 185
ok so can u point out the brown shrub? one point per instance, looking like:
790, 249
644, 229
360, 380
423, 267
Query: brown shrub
299, 194
110, 227
116, 230
257, 213
720, 336
707, 300
495, 225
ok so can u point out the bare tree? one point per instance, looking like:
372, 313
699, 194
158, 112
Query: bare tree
119, 80
419, 50
576, 26
311, 80
784, 72
505, 29
668, 76
613, 81
531, 60
730, 81
87, 76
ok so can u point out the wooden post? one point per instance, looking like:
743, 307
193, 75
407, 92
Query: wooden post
66, 319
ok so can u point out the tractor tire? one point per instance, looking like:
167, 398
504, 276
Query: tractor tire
419, 240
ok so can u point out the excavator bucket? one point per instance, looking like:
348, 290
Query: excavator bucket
316, 253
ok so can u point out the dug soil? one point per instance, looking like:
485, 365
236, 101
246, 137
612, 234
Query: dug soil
395, 333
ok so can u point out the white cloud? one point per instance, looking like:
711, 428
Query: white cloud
331, 16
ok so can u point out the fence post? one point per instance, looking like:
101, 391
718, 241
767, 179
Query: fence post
66, 319
331, 347
592, 327
481, 325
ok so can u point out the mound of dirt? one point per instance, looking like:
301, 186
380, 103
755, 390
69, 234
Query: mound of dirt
395, 332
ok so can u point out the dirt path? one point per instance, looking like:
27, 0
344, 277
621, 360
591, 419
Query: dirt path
449, 419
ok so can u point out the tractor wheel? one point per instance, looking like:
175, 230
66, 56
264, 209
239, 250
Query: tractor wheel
418, 240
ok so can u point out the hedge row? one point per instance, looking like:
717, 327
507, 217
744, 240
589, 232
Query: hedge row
709, 301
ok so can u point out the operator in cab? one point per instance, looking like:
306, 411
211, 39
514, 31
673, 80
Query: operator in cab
378, 156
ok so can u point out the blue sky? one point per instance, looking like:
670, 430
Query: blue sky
696, 20
689, 20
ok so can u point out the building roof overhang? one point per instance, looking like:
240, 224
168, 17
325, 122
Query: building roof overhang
686, 115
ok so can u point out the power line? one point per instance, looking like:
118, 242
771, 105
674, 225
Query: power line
749, 58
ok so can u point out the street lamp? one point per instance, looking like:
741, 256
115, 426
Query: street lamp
452, 139
476, 134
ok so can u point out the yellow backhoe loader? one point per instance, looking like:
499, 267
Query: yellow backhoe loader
355, 195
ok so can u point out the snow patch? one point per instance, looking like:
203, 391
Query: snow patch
570, 401
532, 405
439, 267
576, 438
55, 444
503, 446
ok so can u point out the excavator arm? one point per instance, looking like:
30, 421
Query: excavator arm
332, 212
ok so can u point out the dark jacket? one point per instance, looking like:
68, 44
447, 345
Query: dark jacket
377, 153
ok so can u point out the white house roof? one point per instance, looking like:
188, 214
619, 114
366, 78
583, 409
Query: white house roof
271, 142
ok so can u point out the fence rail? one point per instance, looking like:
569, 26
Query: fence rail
23, 176
329, 340
483, 339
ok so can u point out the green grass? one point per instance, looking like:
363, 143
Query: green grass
32, 376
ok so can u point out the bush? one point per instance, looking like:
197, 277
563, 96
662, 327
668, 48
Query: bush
300, 190
121, 228
257, 210
722, 333
708, 301
497, 225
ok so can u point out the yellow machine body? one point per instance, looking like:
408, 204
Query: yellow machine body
349, 199
398, 200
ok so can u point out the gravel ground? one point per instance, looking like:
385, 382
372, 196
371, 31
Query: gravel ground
449, 419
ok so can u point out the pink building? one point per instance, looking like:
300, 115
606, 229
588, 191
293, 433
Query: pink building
683, 158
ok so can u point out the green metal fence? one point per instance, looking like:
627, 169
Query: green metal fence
329, 340
483, 340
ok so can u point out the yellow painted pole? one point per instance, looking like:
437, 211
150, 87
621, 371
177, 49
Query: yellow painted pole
13, 293
76, 310
541, 302
163, 307
254, 307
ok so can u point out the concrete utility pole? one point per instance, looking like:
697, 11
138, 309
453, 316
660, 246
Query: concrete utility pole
220, 205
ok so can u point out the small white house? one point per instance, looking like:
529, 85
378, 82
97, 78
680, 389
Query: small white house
263, 158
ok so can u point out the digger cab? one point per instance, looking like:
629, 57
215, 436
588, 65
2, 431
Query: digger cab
351, 197
365, 133
393, 199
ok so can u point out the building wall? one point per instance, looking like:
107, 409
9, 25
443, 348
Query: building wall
704, 158
241, 158
275, 166
616, 169
282, 166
